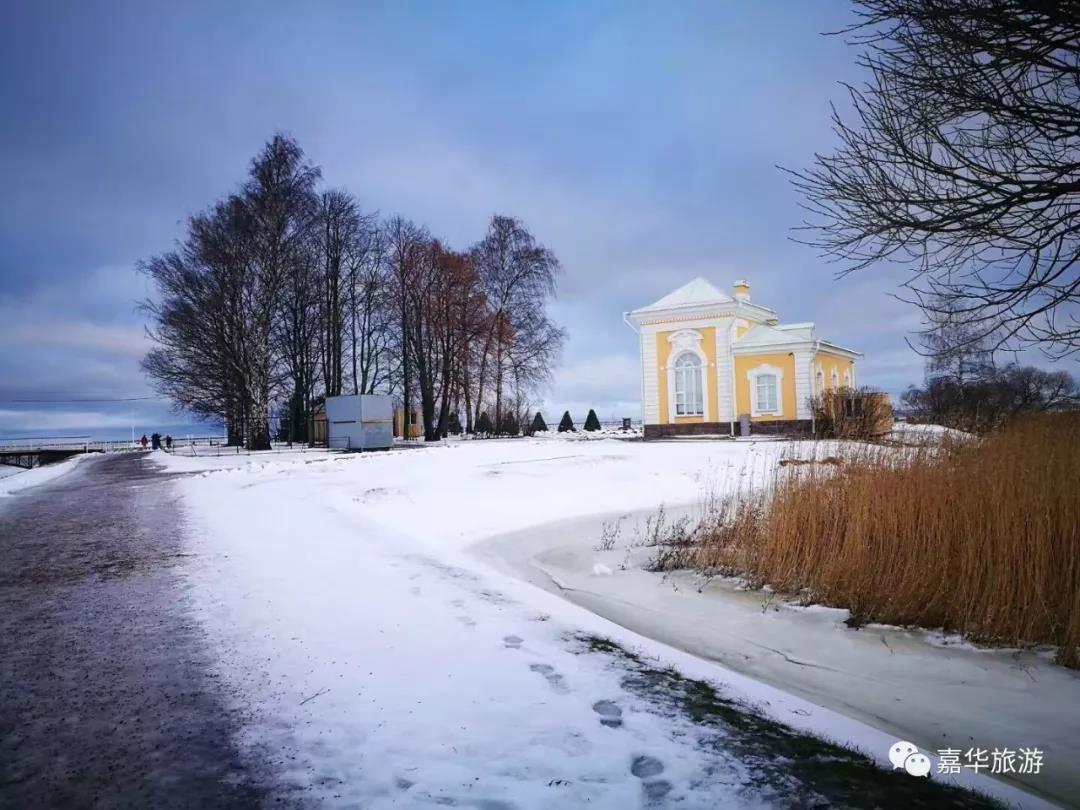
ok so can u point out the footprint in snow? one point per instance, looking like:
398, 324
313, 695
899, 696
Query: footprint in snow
646, 769
610, 713
513, 642
656, 790
554, 679
468, 621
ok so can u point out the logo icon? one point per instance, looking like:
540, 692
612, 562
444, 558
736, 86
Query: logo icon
906, 755
917, 764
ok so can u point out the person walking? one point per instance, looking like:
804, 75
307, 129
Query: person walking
142, 441
155, 441
168, 442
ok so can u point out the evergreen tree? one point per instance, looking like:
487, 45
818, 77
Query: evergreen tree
483, 424
509, 426
453, 424
591, 422
538, 423
566, 423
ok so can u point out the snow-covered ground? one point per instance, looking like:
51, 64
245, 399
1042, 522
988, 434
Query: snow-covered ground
935, 690
387, 656
926, 434
16, 479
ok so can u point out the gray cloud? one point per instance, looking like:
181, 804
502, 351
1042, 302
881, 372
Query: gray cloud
638, 142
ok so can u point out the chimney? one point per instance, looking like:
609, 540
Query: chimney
741, 290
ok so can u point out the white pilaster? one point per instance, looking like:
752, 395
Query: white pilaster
650, 405
725, 397
804, 385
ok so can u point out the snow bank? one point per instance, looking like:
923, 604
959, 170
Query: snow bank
14, 479
926, 434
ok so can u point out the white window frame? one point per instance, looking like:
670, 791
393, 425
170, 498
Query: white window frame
752, 378
692, 375
834, 377
848, 382
682, 342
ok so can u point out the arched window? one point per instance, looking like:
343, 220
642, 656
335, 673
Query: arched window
820, 382
847, 378
835, 380
688, 385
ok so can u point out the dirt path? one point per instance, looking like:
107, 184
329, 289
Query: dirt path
105, 700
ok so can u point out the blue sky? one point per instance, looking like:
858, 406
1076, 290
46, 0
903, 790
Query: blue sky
637, 140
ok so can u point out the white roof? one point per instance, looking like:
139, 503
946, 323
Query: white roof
800, 330
763, 335
697, 292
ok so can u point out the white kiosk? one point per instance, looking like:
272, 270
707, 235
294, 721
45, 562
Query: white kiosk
360, 422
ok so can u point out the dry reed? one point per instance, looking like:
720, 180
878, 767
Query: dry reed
980, 537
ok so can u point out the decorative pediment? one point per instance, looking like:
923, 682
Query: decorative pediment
685, 339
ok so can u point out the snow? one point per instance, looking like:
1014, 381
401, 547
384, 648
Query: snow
323, 604
16, 479
693, 293
904, 682
926, 434
396, 624
607, 432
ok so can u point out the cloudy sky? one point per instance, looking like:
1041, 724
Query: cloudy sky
639, 141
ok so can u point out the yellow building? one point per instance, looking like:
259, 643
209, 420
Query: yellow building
708, 358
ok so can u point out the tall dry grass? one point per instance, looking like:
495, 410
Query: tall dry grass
979, 537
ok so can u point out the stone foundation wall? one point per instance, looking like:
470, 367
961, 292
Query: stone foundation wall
786, 427
782, 427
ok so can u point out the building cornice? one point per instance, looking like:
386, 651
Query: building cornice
695, 312
816, 346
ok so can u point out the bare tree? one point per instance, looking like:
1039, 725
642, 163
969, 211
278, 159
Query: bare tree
279, 196
371, 312
197, 362
220, 295
955, 347
341, 230
406, 245
278, 289
965, 165
517, 276
453, 304
297, 338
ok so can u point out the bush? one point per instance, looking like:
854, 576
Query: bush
981, 538
852, 413
566, 423
988, 402
483, 424
538, 424
591, 422
509, 426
